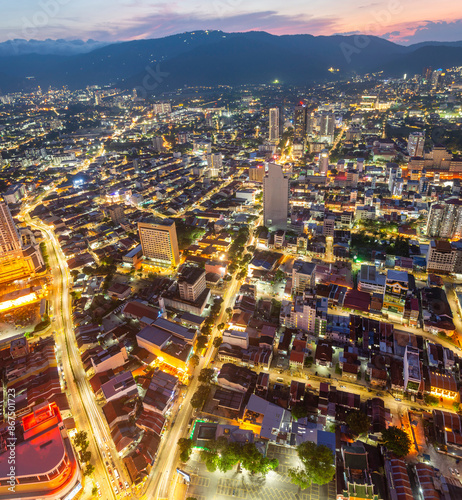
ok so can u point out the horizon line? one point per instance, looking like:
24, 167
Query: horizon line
227, 32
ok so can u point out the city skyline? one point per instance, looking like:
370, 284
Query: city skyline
408, 23
230, 263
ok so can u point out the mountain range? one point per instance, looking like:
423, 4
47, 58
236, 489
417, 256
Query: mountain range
204, 58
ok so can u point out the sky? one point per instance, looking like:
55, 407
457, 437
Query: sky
401, 21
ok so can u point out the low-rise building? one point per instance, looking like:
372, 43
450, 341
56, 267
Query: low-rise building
399, 485
324, 353
167, 343
122, 385
109, 359
119, 291
440, 383
161, 392
236, 338
357, 476
236, 378
369, 280
396, 290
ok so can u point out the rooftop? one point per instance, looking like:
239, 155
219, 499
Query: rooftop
190, 275
393, 275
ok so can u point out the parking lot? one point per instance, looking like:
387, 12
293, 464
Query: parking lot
218, 486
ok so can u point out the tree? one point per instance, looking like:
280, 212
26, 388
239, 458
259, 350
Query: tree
229, 456
85, 456
241, 275
299, 411
431, 400
94, 491
221, 326
206, 330
217, 341
80, 439
358, 422
194, 361
210, 458
253, 461
206, 375
89, 469
247, 258
186, 446
299, 477
223, 456
200, 396
279, 276
201, 342
396, 440
318, 464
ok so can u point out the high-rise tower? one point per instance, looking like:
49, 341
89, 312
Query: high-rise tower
159, 241
275, 197
274, 126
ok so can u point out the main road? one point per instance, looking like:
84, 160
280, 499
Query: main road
84, 409
161, 483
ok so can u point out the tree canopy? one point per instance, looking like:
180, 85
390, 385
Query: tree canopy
397, 441
201, 341
358, 422
200, 396
194, 361
299, 411
186, 446
318, 465
217, 341
224, 456
206, 375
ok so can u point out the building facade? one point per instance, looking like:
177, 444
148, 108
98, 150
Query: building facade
159, 242
275, 197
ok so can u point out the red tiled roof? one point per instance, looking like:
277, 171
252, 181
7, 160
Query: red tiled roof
151, 420
360, 301
297, 357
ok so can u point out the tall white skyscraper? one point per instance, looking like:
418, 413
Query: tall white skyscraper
274, 135
9, 236
416, 142
324, 162
275, 197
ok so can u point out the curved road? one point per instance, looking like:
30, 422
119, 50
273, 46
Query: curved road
83, 405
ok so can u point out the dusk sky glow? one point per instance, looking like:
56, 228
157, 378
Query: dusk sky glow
406, 22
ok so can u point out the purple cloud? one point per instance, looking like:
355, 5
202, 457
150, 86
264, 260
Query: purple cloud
435, 31
167, 22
